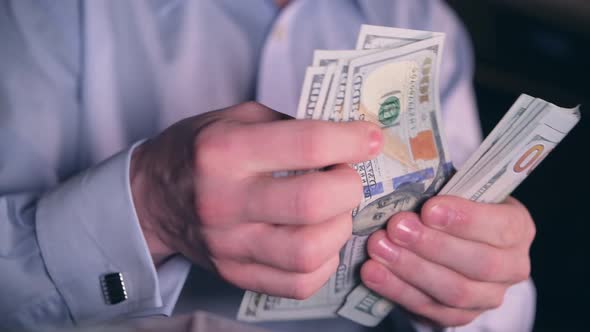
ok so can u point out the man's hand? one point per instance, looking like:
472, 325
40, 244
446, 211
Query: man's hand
453, 261
204, 188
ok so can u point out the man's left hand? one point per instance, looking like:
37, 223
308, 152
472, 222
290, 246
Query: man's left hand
454, 260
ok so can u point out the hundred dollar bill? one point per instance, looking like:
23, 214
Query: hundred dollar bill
262, 307
325, 303
334, 102
398, 90
312, 101
366, 307
312, 89
249, 306
322, 58
521, 119
337, 92
371, 40
392, 80
503, 137
518, 144
377, 37
414, 165
323, 109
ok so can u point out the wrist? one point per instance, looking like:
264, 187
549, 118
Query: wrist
142, 193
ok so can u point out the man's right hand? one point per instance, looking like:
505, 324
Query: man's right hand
204, 188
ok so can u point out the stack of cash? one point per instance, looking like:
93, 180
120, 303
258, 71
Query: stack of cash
521, 140
391, 79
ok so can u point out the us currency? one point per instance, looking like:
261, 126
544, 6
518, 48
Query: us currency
249, 307
397, 89
334, 102
517, 120
262, 307
392, 80
371, 39
414, 165
313, 92
519, 143
362, 305
377, 37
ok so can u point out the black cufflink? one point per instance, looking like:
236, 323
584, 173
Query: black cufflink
113, 288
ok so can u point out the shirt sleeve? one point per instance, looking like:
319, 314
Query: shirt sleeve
57, 247
516, 314
64, 223
87, 228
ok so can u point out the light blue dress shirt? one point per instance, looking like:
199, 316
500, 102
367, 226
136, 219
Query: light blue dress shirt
81, 82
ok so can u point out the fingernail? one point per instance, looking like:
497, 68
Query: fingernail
377, 275
387, 251
376, 137
406, 231
441, 217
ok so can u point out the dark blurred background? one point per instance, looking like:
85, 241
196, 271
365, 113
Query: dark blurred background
542, 48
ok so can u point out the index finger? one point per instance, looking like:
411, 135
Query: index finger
306, 144
501, 225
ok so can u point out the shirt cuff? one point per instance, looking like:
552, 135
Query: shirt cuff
171, 276
517, 313
86, 228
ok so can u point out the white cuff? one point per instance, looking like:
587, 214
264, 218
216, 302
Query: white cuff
86, 228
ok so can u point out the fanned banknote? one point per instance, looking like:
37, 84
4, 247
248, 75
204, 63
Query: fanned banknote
521, 140
415, 162
397, 89
391, 79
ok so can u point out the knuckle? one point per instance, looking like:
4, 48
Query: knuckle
305, 259
302, 288
253, 104
509, 234
309, 142
519, 229
212, 244
340, 232
307, 203
220, 268
459, 296
212, 145
490, 267
531, 231
209, 210
352, 181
